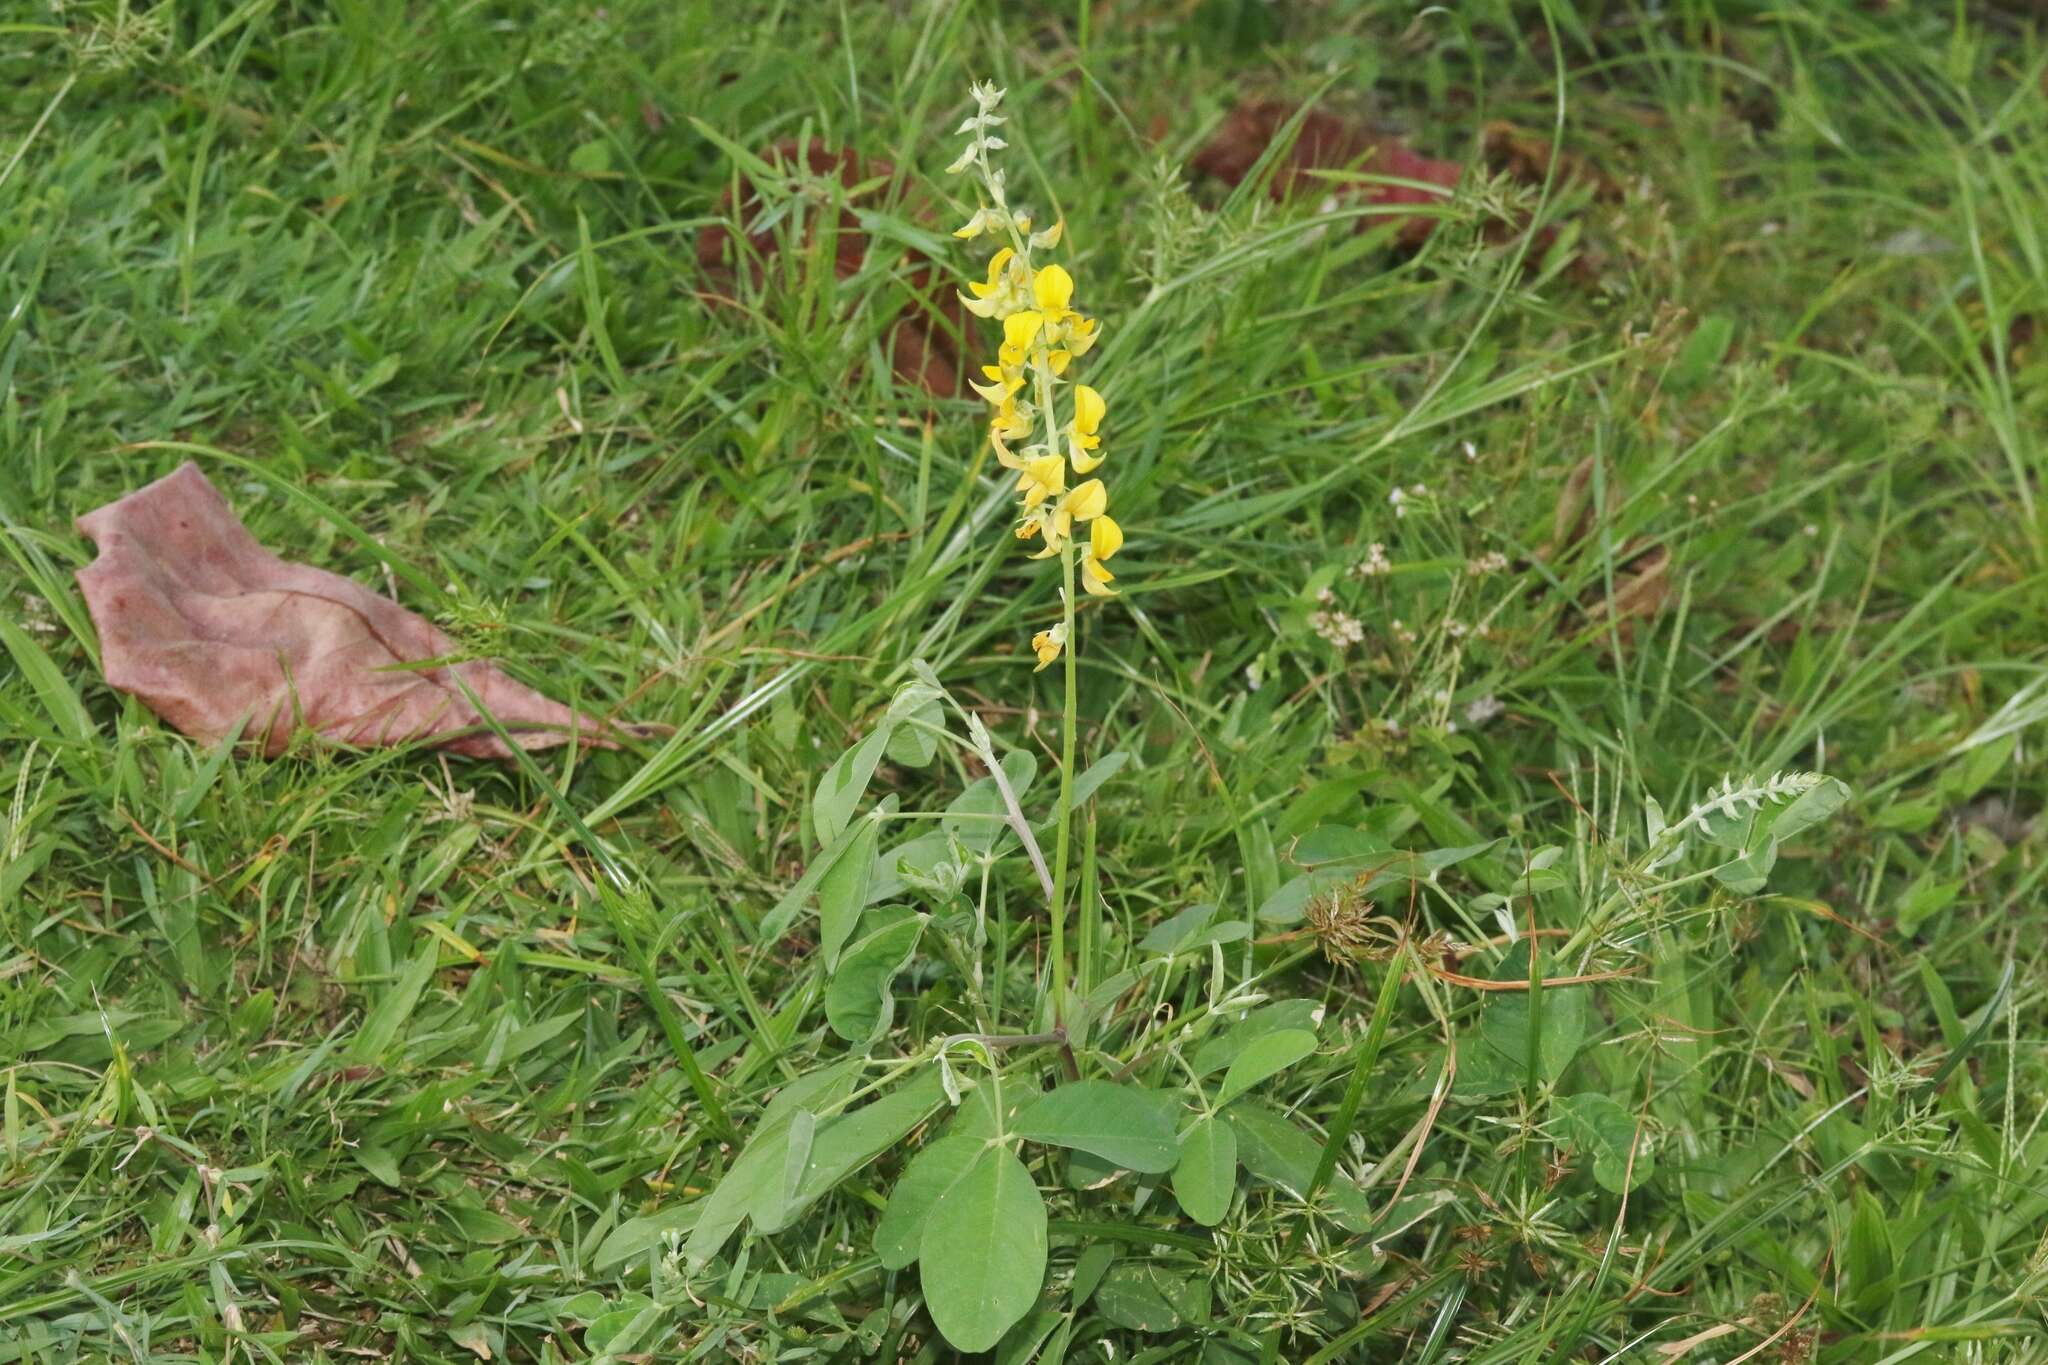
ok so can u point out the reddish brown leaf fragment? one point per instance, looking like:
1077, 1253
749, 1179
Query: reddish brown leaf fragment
923, 343
220, 637
1326, 143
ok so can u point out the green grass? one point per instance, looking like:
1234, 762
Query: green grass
345, 1056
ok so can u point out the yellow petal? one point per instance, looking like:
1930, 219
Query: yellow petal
1082, 334
1084, 463
1105, 538
1088, 409
1053, 287
1041, 478
1060, 360
1095, 579
1020, 327
1091, 499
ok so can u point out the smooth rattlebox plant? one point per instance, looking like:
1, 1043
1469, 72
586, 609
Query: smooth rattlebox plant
1054, 1112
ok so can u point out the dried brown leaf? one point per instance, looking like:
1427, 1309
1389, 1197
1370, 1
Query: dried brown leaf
924, 340
222, 638
1326, 143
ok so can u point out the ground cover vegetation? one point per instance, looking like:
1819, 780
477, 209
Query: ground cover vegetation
1530, 852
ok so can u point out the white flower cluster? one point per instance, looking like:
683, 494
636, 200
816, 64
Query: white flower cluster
1493, 561
1374, 564
1340, 629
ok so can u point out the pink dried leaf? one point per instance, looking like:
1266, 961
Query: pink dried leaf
222, 638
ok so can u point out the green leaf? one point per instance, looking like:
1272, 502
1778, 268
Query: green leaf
1266, 1056
1168, 935
1277, 1152
1604, 1130
1870, 1258
776, 922
381, 1025
620, 1330
982, 1258
1140, 1299
637, 1236
847, 1142
1190, 932
1747, 875
1206, 1175
1290, 903
1218, 1053
1089, 1268
66, 712
379, 1162
1504, 1025
843, 891
1339, 844
913, 742
1119, 1123
858, 1002
1097, 773
844, 783
931, 1173
591, 158
755, 1182
1817, 803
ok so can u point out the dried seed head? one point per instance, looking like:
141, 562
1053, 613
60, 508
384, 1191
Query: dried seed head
1342, 920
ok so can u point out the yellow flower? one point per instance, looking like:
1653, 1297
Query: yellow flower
1082, 334
1081, 437
1012, 422
1021, 328
1088, 500
1088, 413
1039, 479
995, 274
1053, 287
1105, 538
1047, 644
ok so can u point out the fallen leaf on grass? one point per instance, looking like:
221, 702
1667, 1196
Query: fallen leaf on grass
222, 638
1326, 143
924, 340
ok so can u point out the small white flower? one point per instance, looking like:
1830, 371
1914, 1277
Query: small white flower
1399, 500
1480, 710
1493, 561
1374, 563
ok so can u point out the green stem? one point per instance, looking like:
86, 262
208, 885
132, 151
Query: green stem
1068, 725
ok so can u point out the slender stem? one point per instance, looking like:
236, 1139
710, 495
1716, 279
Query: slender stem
1068, 724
